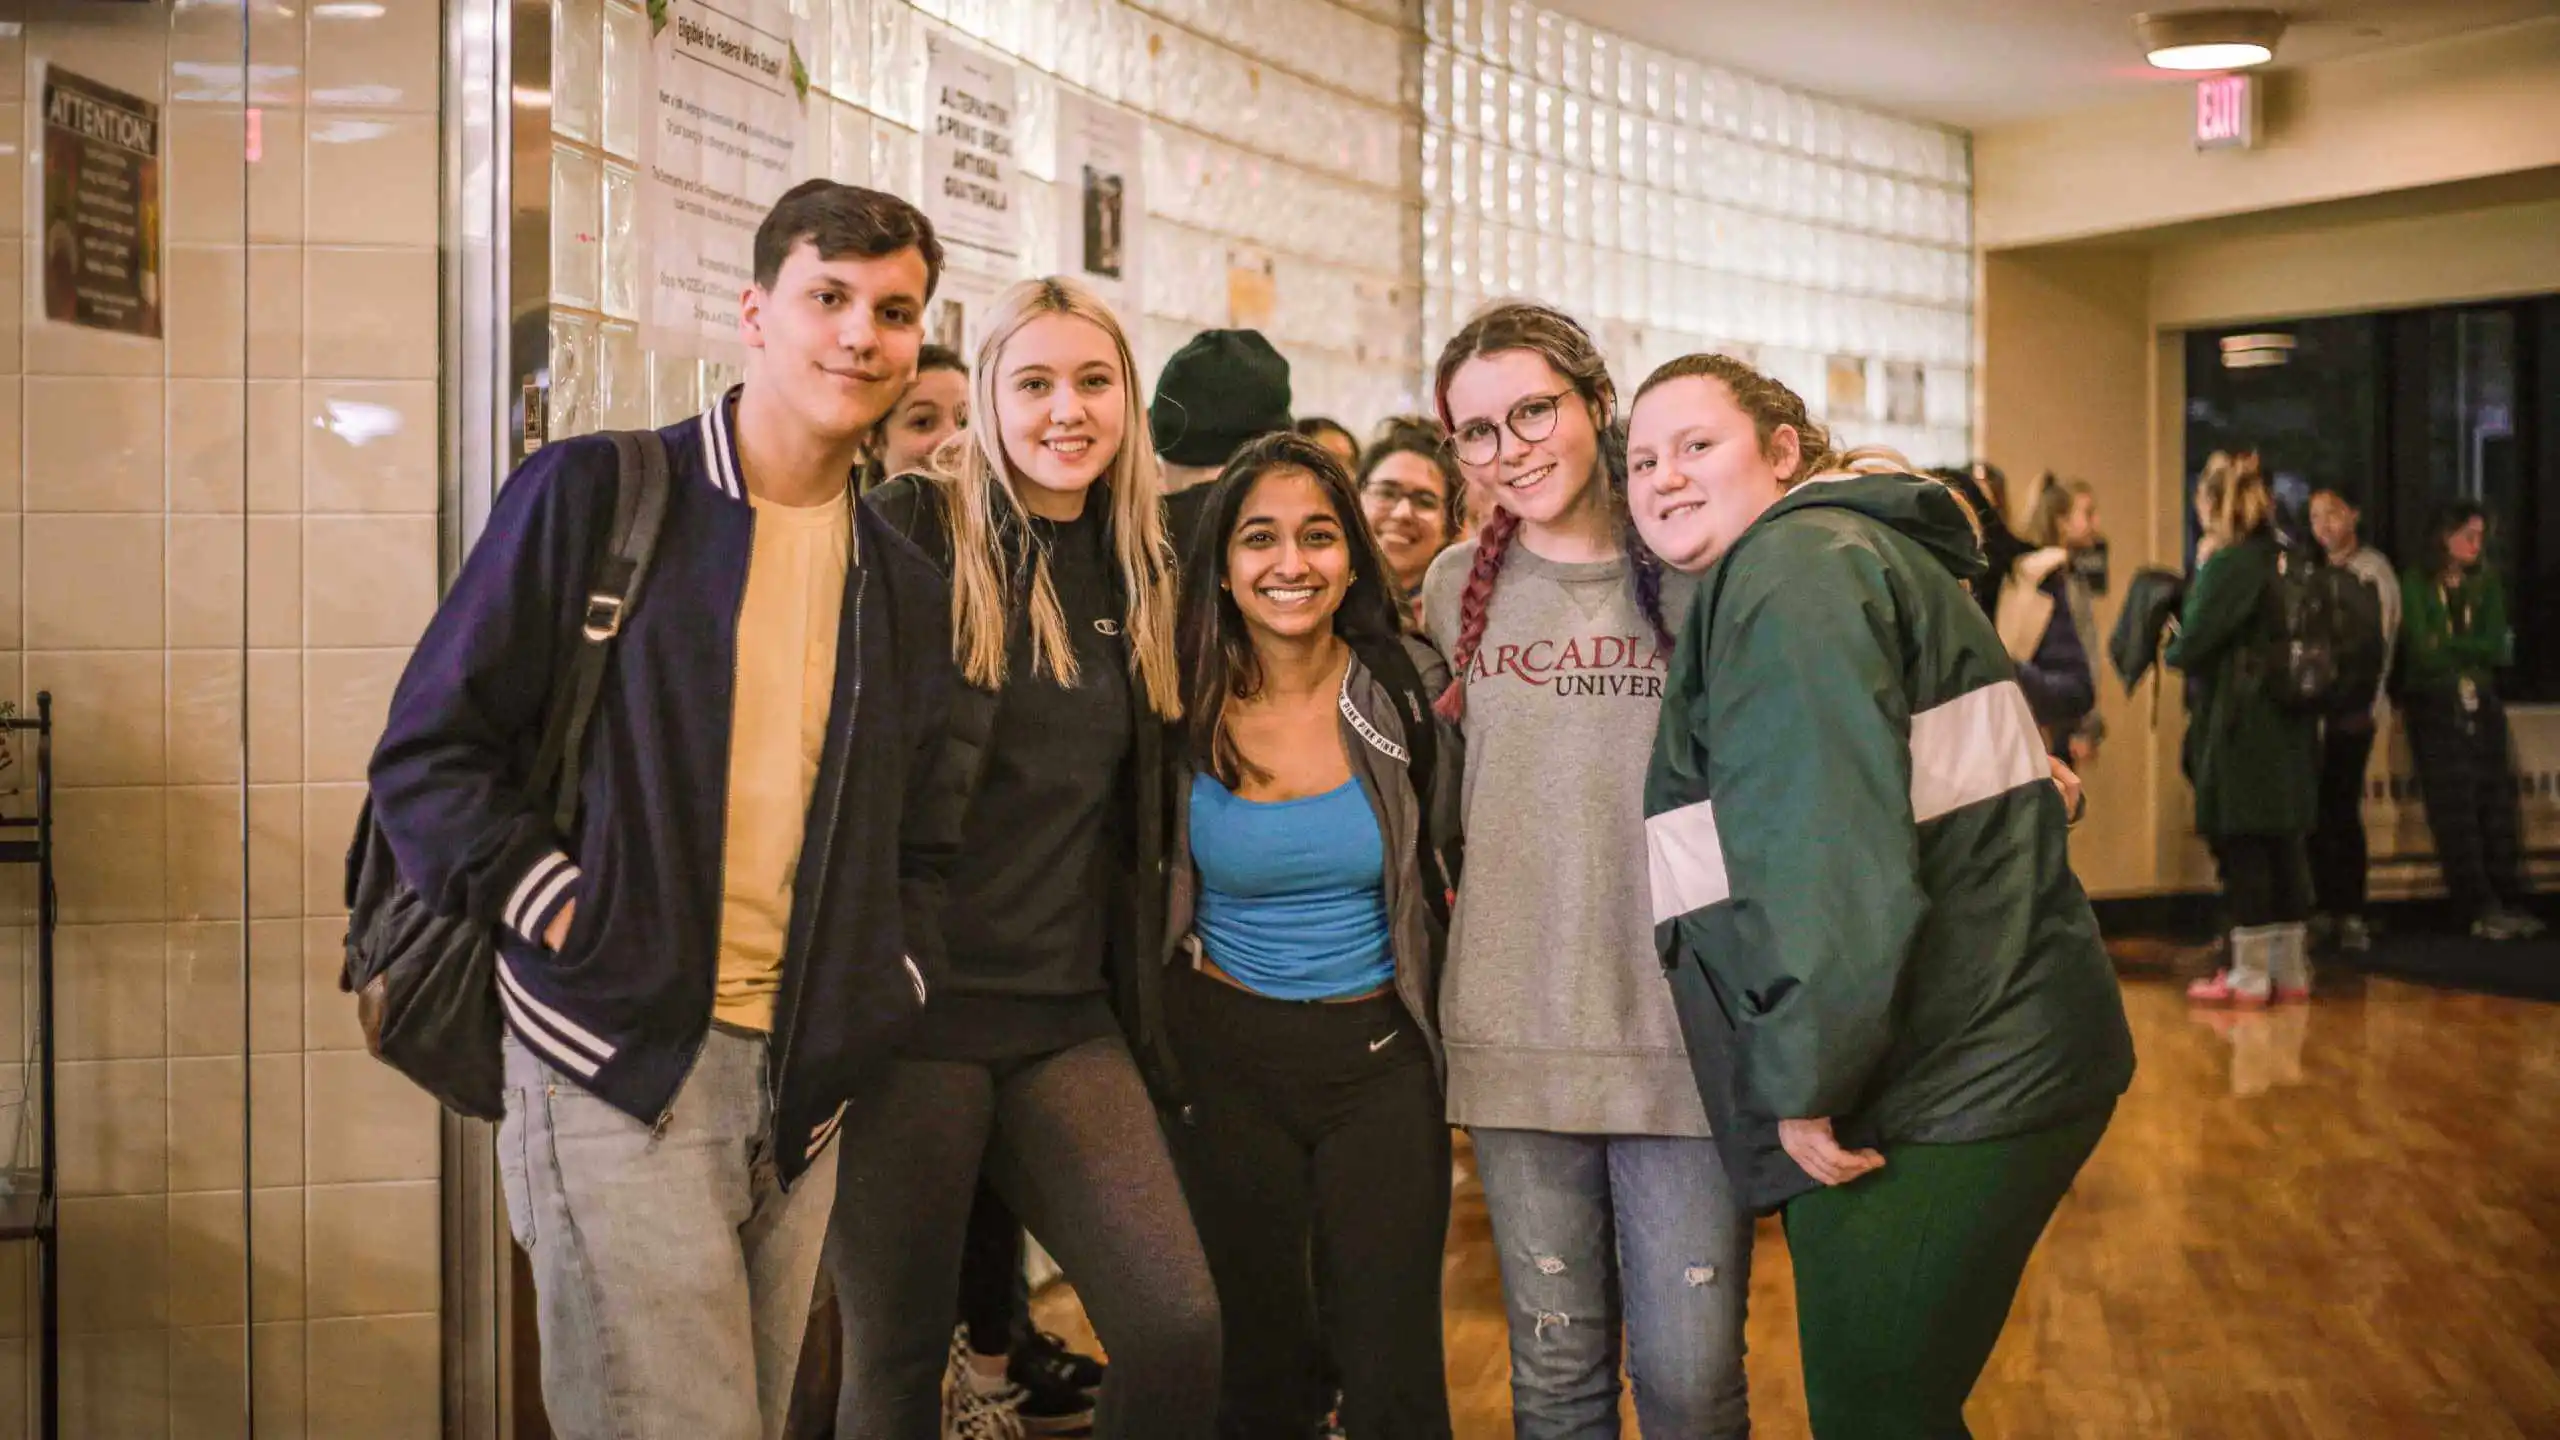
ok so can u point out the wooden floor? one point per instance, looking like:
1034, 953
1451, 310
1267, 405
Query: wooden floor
2335, 1222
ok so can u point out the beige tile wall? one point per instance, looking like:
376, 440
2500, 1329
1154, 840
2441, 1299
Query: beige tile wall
222, 541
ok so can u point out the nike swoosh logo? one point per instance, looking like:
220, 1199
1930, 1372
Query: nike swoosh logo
1377, 1045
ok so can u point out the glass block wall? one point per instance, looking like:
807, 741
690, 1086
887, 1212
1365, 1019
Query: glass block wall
1676, 206
1288, 128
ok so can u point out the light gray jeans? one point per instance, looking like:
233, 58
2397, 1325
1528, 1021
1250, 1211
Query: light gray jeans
671, 1272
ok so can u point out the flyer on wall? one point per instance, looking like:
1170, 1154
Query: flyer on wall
1253, 288
101, 206
969, 156
1100, 200
721, 146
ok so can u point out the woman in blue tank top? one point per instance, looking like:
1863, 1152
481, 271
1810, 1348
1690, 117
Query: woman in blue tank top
1312, 865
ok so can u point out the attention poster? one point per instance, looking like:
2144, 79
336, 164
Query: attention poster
102, 264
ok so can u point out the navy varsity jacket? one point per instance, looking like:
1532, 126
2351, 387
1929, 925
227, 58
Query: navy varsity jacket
625, 1005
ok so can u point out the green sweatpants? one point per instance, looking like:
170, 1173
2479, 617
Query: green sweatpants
1904, 1278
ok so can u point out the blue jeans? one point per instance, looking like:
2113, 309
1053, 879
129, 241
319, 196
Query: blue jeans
1599, 1233
671, 1273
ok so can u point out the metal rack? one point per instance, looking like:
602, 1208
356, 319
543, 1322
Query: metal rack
27, 1208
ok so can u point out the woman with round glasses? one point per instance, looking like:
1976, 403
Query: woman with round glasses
1416, 504
1617, 1231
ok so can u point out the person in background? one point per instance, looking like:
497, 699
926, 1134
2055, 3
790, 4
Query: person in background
2022, 589
677, 1050
2338, 859
2065, 517
1913, 1077
1221, 389
1039, 1061
1415, 504
1612, 1212
932, 410
2454, 640
2254, 762
1333, 435
1310, 866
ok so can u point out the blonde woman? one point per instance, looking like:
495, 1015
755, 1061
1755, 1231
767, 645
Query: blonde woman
2255, 763
1040, 1055
2064, 518
1913, 1077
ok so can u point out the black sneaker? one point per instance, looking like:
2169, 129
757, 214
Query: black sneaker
1044, 1357
1049, 1377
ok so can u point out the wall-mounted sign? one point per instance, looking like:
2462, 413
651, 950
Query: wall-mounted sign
1845, 389
1101, 204
722, 145
101, 206
1906, 393
969, 159
1253, 288
2227, 112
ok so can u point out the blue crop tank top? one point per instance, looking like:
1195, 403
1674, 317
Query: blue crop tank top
1293, 899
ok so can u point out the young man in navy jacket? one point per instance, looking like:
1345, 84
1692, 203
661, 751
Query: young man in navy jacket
698, 979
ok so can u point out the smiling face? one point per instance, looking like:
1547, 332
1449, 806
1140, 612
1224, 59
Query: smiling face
934, 409
1406, 498
835, 340
1289, 557
1061, 408
1491, 399
1696, 475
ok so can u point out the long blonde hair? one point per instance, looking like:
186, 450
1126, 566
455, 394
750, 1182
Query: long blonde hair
2055, 499
2235, 493
978, 489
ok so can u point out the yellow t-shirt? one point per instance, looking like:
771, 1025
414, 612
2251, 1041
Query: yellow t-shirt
777, 732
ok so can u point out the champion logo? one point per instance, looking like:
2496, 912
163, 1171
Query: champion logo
1107, 627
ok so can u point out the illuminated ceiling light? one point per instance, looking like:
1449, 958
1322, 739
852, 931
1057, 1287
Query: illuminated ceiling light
2256, 352
2209, 39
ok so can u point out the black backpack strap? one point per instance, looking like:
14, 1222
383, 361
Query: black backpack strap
639, 513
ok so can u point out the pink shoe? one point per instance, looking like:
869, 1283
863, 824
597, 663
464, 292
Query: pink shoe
2220, 991
2292, 995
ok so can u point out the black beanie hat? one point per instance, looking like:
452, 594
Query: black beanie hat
1222, 389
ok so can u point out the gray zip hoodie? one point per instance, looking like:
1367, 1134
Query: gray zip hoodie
1553, 1005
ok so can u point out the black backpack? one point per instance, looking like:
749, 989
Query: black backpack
426, 983
2329, 658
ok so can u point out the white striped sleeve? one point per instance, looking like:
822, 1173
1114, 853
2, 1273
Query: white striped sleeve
549, 884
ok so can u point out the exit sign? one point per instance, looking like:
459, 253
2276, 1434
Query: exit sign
2227, 113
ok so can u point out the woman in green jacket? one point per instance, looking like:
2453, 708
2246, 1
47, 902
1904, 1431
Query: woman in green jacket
1901, 1020
2255, 763
2454, 640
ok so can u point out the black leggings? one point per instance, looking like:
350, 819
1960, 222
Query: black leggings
995, 1296
2266, 879
1071, 1142
1317, 1160
2470, 787
2338, 860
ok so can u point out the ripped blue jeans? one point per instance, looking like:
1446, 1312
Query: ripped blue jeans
1600, 1234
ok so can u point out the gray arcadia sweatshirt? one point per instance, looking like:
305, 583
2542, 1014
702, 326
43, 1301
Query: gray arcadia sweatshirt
1553, 1003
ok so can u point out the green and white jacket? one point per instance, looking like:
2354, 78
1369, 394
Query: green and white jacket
1861, 881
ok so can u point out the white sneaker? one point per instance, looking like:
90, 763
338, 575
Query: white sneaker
970, 1409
